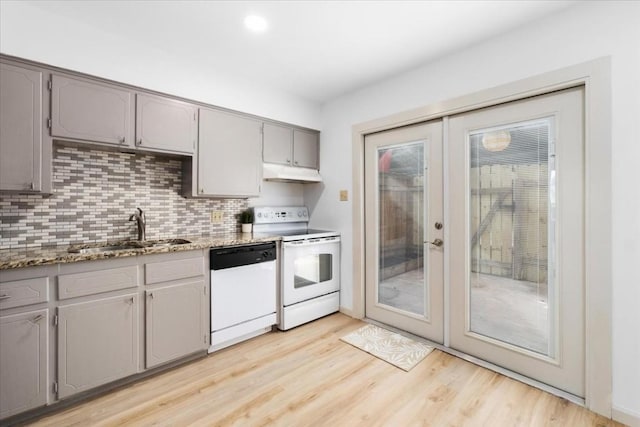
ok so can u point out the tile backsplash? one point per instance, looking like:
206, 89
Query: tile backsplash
96, 191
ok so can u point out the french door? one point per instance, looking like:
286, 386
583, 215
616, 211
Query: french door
515, 234
516, 237
404, 225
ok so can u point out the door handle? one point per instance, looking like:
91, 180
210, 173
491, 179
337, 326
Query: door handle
436, 242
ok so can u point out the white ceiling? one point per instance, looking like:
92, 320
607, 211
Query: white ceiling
313, 49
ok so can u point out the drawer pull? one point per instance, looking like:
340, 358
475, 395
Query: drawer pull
5, 296
38, 318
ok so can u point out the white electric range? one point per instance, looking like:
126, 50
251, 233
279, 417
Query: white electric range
309, 264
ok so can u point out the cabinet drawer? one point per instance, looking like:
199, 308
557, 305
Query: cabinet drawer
159, 272
24, 292
95, 282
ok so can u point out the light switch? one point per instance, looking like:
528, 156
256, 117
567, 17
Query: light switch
344, 195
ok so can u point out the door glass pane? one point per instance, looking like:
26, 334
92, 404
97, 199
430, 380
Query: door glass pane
401, 228
312, 269
512, 229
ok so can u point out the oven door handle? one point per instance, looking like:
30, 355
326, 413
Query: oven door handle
308, 242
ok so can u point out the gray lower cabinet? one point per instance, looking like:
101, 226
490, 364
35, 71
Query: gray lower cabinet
21, 128
97, 343
69, 328
23, 361
91, 111
174, 326
289, 146
164, 124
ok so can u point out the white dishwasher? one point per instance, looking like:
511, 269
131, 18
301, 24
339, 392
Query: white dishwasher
243, 292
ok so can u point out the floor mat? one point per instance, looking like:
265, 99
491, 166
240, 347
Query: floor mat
391, 347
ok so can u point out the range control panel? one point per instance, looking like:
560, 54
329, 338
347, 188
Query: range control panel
281, 214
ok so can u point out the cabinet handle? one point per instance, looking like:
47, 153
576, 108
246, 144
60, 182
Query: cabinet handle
131, 300
288, 161
296, 162
32, 186
121, 139
5, 296
38, 318
202, 190
151, 295
139, 142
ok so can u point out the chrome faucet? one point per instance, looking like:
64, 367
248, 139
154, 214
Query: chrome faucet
138, 216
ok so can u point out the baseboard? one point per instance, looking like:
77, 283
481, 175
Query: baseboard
625, 416
347, 311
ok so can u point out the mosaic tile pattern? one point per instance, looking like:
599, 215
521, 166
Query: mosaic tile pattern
95, 191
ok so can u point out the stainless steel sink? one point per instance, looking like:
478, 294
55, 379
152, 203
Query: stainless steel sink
168, 242
129, 246
101, 249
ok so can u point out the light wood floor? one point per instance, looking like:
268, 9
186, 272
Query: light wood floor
307, 377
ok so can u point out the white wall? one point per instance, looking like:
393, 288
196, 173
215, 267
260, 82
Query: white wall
31, 32
279, 194
584, 32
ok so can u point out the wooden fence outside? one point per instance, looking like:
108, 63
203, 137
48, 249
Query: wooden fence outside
508, 219
508, 215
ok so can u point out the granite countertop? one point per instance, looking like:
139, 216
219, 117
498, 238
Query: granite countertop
26, 257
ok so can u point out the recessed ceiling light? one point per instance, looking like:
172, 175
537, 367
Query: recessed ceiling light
256, 23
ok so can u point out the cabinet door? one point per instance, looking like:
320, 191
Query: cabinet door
20, 128
164, 124
90, 111
23, 361
97, 343
276, 144
175, 322
229, 161
305, 149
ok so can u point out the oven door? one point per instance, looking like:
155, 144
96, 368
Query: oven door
310, 268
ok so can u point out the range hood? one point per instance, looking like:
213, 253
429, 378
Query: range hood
280, 173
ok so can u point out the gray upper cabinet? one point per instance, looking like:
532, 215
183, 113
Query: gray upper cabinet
23, 361
277, 142
164, 124
289, 146
305, 149
229, 155
97, 343
21, 128
174, 326
98, 112
90, 111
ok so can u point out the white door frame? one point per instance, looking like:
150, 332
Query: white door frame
595, 76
